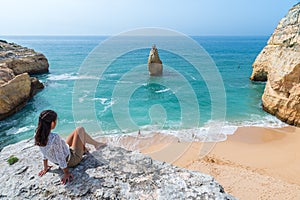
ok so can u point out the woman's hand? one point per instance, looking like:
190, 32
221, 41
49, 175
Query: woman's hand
67, 178
44, 171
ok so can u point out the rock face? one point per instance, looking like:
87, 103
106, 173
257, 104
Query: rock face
22, 60
36, 86
16, 87
155, 66
109, 173
279, 64
14, 94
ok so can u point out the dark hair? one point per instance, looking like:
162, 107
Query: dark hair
44, 127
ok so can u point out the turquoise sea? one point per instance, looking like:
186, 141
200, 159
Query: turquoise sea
233, 56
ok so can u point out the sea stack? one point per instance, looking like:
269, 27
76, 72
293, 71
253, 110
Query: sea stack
155, 66
16, 86
279, 64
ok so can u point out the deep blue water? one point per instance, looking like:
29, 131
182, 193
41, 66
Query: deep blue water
233, 57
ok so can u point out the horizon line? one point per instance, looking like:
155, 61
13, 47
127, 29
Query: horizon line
100, 35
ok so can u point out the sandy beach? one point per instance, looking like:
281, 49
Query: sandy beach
253, 163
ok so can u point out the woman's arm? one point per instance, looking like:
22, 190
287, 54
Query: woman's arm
60, 153
67, 176
46, 168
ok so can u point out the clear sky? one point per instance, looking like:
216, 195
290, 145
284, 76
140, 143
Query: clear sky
110, 17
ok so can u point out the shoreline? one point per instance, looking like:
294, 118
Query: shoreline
253, 163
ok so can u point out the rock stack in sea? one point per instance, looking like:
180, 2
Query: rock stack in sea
109, 173
17, 63
155, 66
279, 64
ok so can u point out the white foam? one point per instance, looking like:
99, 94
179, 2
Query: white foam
70, 76
193, 78
212, 131
56, 85
207, 134
81, 99
216, 130
102, 100
184, 135
260, 121
238, 86
106, 108
164, 90
107, 104
124, 82
15, 131
111, 75
83, 121
229, 130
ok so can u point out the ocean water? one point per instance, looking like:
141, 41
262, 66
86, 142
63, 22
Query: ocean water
155, 103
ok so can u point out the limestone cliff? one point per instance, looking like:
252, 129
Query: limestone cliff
109, 173
155, 66
279, 64
21, 59
16, 87
14, 94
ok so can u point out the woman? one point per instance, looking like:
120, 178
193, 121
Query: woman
64, 153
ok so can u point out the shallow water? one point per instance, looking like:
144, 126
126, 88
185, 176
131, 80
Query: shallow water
154, 105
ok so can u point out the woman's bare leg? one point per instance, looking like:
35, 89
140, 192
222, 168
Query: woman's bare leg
70, 138
79, 137
73, 140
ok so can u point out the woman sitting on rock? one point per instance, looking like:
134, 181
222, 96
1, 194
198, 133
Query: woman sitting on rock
64, 153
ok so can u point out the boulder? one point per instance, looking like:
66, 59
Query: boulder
14, 94
36, 86
155, 66
109, 173
279, 64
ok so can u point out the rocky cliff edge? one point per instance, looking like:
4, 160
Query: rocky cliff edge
279, 64
109, 173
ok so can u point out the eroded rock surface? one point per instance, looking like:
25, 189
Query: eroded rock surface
279, 64
21, 59
109, 173
16, 87
14, 94
155, 66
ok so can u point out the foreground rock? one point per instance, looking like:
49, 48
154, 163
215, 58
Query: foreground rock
16, 87
155, 66
279, 64
110, 173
